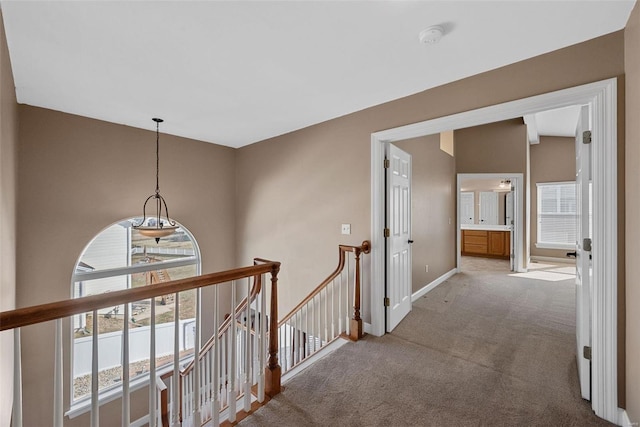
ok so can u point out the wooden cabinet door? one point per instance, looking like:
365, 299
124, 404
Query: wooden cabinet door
496, 242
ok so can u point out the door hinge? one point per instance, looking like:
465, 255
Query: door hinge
387, 302
586, 137
586, 244
387, 232
387, 164
586, 352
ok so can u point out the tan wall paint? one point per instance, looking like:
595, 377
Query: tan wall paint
433, 212
493, 148
8, 198
552, 160
77, 176
632, 199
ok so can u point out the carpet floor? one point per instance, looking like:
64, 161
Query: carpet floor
485, 348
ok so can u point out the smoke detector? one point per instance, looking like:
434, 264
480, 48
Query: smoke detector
431, 35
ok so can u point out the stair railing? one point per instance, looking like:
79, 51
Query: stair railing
232, 362
58, 311
331, 311
333, 307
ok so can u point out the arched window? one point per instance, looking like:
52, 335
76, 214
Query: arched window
119, 257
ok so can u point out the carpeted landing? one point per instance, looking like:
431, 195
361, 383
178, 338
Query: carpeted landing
485, 348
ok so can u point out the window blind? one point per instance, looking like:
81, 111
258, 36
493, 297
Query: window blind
557, 214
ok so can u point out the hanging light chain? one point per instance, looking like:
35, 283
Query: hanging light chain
158, 121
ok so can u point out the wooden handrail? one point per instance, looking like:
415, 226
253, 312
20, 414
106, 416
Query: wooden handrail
45, 312
342, 250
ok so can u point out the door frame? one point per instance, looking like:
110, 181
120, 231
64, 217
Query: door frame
518, 213
602, 98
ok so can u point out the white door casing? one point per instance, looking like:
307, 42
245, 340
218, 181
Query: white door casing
399, 241
467, 207
583, 261
601, 96
509, 221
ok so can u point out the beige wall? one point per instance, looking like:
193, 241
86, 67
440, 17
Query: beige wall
433, 211
8, 195
76, 177
552, 160
493, 148
632, 199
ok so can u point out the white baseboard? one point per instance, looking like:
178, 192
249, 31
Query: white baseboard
366, 327
623, 419
553, 259
416, 295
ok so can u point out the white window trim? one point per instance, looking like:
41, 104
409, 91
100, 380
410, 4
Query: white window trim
111, 393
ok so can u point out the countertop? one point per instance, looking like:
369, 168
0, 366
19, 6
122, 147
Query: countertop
485, 227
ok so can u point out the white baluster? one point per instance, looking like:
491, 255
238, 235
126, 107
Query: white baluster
280, 345
58, 410
152, 366
325, 314
346, 300
175, 387
340, 305
247, 356
215, 399
231, 403
17, 380
224, 359
263, 339
196, 366
305, 333
95, 415
126, 405
333, 309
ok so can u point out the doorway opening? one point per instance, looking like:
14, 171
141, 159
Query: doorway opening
601, 97
503, 218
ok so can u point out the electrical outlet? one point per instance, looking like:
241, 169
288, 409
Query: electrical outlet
426, 268
346, 228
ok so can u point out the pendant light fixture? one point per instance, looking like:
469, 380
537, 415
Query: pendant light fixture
159, 225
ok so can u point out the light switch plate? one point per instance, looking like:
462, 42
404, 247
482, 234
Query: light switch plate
346, 228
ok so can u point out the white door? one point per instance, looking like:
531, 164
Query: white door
467, 211
508, 220
488, 208
583, 254
399, 240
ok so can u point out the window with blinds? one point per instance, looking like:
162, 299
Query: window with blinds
556, 215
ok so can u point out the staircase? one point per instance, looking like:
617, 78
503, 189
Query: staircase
239, 367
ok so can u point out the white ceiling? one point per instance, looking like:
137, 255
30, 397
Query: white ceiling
234, 73
559, 122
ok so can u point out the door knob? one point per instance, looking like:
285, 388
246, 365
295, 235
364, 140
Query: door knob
410, 241
572, 254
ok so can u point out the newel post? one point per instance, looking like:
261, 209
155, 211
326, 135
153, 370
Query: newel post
273, 371
356, 322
